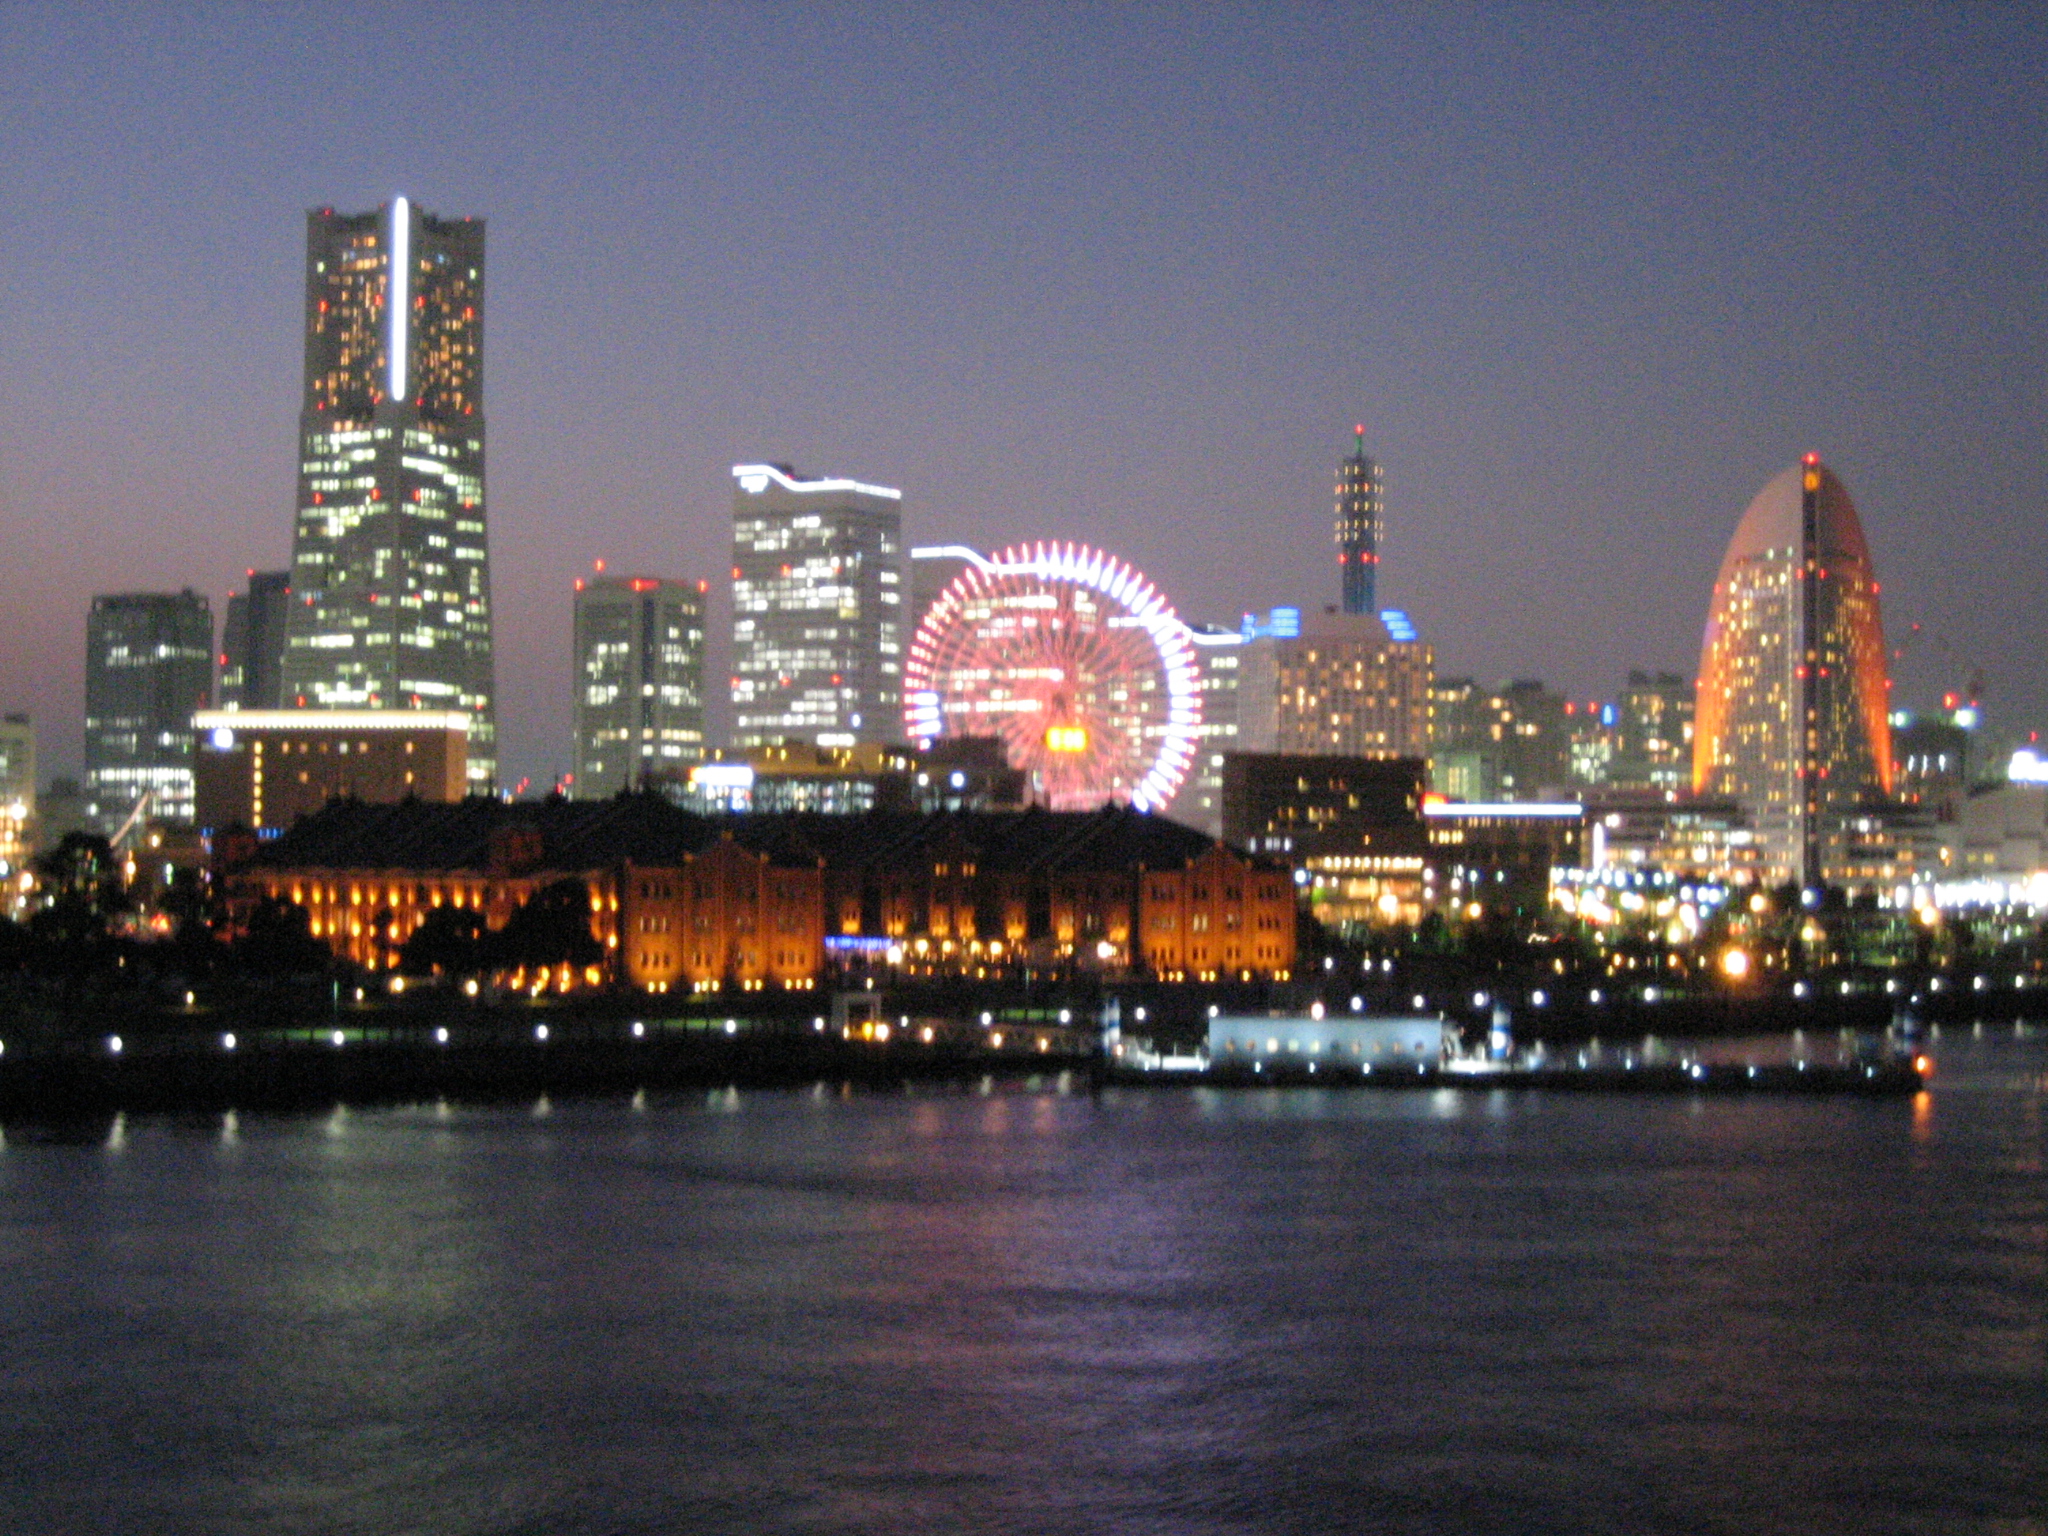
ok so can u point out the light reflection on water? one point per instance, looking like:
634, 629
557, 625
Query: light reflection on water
995, 1310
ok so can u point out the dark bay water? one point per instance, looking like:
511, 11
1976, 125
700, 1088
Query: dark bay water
1025, 1311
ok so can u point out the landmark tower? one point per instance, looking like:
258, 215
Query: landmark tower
1358, 526
390, 578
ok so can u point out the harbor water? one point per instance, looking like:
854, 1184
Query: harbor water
1025, 1307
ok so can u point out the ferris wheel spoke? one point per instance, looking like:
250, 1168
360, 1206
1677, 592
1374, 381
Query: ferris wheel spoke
1093, 693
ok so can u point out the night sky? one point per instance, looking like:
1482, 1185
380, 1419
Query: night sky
1589, 278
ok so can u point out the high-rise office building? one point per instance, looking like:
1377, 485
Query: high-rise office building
1507, 743
148, 667
1653, 736
17, 792
1791, 717
639, 681
1931, 757
252, 643
1348, 685
932, 569
818, 623
1359, 510
390, 579
1219, 657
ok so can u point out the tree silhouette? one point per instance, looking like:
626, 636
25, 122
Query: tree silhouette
279, 941
552, 928
449, 940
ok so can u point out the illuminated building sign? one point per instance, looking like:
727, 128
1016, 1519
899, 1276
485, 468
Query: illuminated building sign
1280, 624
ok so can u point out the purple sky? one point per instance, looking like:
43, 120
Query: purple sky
1125, 274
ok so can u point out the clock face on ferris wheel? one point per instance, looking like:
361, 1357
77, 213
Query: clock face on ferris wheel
1074, 662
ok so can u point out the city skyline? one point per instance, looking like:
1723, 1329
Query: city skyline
1586, 350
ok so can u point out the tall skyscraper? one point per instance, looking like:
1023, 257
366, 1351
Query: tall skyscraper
252, 643
1219, 658
639, 681
17, 793
148, 667
818, 609
391, 588
1791, 717
1358, 527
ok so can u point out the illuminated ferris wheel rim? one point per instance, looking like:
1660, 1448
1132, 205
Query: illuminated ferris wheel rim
1143, 608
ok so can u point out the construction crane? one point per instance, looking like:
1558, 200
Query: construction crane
134, 818
1973, 688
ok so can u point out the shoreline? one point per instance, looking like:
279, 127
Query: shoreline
310, 1074
291, 1046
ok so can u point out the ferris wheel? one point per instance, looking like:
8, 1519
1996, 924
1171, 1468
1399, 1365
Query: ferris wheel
1073, 661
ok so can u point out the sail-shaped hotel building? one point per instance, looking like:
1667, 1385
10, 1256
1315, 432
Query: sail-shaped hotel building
1792, 714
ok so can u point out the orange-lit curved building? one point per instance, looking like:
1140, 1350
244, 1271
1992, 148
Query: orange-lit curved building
1792, 713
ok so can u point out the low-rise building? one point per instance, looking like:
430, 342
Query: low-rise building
1680, 835
1351, 826
1368, 846
17, 790
957, 773
265, 768
1336, 1040
1502, 857
2001, 833
679, 901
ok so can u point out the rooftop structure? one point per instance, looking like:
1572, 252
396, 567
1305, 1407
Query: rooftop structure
1359, 513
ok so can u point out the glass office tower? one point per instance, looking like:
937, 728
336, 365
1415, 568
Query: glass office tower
148, 668
390, 579
252, 643
818, 609
639, 681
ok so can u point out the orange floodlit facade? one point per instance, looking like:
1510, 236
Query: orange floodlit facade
681, 903
1792, 714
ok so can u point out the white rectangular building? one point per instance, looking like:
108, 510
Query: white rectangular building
819, 611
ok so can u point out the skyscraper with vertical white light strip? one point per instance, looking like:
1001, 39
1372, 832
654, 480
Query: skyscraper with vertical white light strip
390, 581
818, 623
